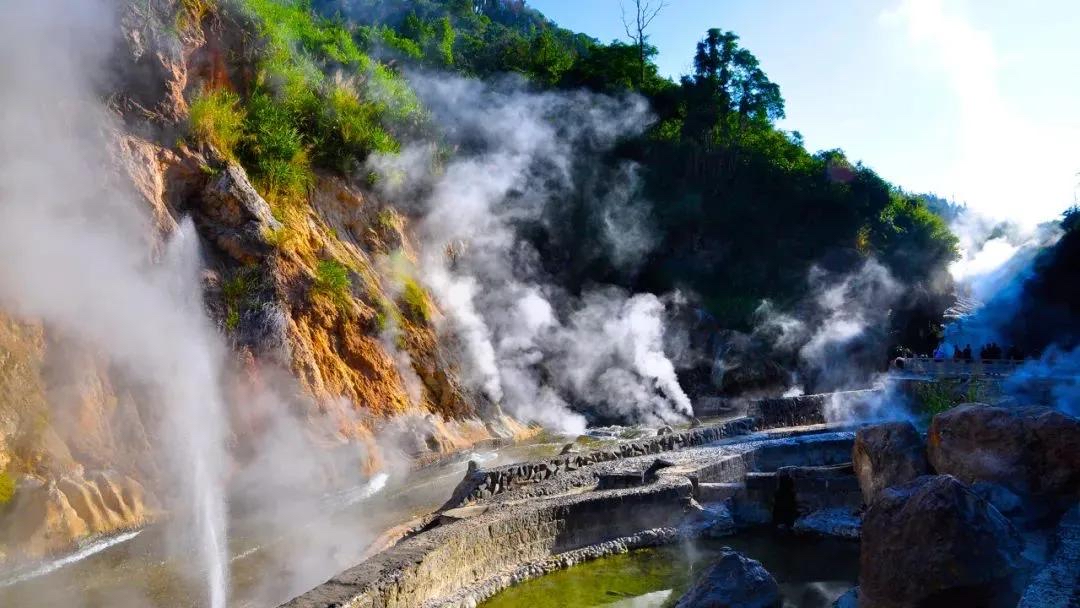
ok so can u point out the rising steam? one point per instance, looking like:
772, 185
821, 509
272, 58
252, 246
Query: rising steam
528, 344
75, 255
835, 335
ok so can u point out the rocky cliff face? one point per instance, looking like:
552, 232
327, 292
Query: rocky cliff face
316, 299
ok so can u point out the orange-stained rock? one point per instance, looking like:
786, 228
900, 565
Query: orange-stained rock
340, 364
40, 521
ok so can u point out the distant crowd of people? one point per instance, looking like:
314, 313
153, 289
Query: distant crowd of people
989, 352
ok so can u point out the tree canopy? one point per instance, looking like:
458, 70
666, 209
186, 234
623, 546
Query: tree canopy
742, 209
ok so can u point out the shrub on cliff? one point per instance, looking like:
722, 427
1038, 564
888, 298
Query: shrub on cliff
340, 118
237, 293
332, 281
217, 119
416, 302
275, 151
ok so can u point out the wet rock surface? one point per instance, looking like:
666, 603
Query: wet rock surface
887, 455
1030, 451
733, 580
934, 542
837, 522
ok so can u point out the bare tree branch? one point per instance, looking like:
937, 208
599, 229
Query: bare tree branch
650, 13
626, 23
644, 14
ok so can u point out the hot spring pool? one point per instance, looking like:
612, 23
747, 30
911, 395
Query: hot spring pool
811, 573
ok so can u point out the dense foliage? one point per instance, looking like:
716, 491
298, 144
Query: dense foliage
309, 98
741, 209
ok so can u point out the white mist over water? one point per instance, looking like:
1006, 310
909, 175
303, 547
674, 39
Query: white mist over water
74, 254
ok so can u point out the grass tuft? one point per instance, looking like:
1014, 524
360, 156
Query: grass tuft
417, 307
238, 292
332, 281
7, 487
217, 119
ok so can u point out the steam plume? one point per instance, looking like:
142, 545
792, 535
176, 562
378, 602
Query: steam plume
528, 343
73, 254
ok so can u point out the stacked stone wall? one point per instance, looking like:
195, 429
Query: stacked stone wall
812, 409
765, 414
444, 563
485, 483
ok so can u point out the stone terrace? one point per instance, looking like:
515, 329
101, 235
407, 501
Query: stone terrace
512, 523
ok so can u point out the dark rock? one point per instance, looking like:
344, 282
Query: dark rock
802, 490
619, 481
717, 492
567, 449
265, 329
934, 542
1004, 500
719, 522
1032, 451
887, 455
1057, 583
832, 522
659, 463
733, 581
664, 430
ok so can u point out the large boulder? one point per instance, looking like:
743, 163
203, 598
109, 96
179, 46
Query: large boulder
733, 581
886, 455
1032, 451
934, 542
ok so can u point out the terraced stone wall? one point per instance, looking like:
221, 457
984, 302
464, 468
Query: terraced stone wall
811, 409
446, 566
486, 483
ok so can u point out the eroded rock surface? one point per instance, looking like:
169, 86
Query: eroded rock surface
1057, 583
887, 455
934, 542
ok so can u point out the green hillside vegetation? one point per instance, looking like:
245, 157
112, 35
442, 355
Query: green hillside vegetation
741, 208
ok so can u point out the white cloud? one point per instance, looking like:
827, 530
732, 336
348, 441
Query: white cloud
1013, 163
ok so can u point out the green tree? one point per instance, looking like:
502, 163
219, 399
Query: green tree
727, 82
549, 58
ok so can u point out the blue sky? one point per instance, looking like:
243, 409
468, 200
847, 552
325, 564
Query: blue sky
975, 100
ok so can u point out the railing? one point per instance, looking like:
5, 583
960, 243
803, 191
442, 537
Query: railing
928, 366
